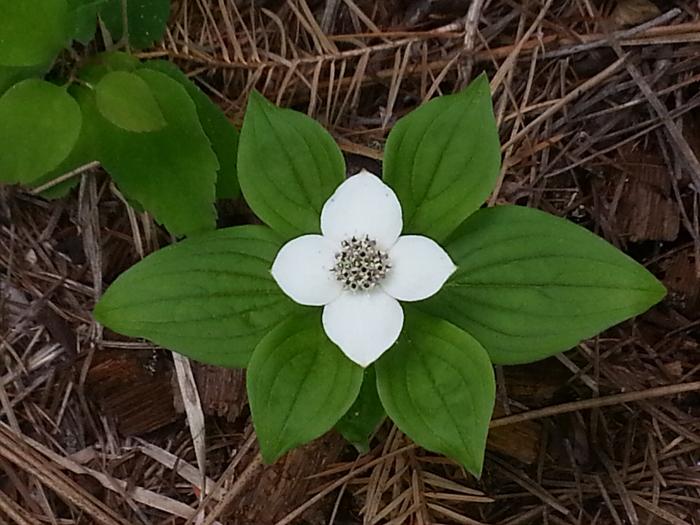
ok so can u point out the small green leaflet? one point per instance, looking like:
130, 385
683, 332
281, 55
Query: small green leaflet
172, 171
100, 65
39, 125
365, 414
443, 160
299, 385
530, 285
32, 32
83, 17
146, 20
288, 166
84, 152
210, 297
438, 386
221, 133
125, 99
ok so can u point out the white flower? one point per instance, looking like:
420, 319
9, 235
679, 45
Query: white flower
360, 268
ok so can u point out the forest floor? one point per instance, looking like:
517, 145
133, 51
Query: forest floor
599, 114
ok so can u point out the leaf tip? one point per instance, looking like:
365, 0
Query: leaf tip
362, 447
479, 85
269, 452
481, 78
658, 291
255, 98
267, 457
474, 464
475, 471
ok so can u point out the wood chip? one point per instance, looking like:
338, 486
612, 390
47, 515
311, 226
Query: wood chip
133, 387
222, 390
633, 12
647, 210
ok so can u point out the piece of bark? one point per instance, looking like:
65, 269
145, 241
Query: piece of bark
134, 388
535, 384
520, 441
646, 209
222, 390
276, 490
532, 385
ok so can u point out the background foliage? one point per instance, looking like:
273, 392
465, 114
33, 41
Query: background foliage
167, 146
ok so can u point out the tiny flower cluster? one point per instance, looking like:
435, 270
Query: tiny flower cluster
360, 265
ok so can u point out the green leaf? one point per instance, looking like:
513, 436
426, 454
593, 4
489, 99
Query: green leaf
11, 75
299, 385
221, 133
84, 152
32, 32
127, 102
146, 20
39, 124
210, 297
172, 171
83, 15
438, 386
288, 166
529, 285
100, 65
443, 160
365, 414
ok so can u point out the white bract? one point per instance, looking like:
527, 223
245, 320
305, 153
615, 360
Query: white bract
360, 268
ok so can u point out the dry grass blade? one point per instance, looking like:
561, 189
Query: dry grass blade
14, 450
195, 415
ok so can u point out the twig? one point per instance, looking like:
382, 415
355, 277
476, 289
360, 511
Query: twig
65, 177
622, 35
597, 402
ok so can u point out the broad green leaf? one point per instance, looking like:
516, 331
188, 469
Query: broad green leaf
365, 414
222, 134
126, 101
299, 385
104, 63
11, 75
84, 152
438, 386
210, 297
172, 171
529, 285
146, 20
32, 32
83, 17
443, 160
288, 166
39, 124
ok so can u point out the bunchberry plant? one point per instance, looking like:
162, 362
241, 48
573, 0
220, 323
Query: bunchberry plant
421, 288
166, 145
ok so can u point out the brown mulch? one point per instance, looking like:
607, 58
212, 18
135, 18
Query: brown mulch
599, 113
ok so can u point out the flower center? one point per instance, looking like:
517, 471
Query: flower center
359, 264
